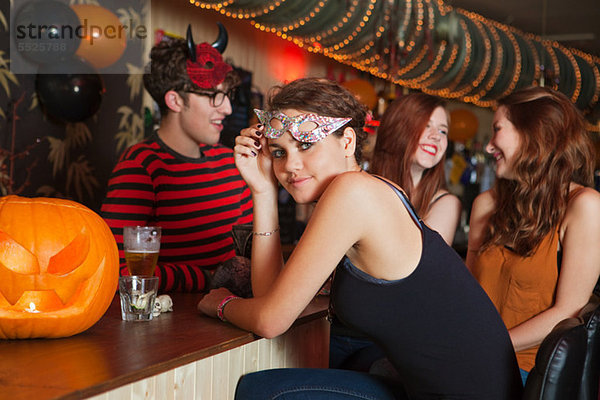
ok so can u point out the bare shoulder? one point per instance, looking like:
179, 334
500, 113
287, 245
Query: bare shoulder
484, 203
346, 190
359, 194
483, 206
356, 184
584, 203
446, 201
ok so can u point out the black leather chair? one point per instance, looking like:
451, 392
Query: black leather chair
559, 363
591, 366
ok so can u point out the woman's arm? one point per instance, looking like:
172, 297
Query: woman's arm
254, 162
443, 217
482, 208
328, 236
579, 270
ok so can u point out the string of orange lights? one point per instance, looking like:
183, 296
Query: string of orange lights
425, 45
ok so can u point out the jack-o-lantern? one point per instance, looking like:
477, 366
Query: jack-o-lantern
58, 267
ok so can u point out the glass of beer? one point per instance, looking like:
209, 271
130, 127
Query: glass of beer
141, 245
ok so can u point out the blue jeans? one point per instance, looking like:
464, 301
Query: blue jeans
315, 384
348, 352
524, 375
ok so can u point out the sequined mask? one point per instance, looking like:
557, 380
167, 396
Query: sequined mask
306, 128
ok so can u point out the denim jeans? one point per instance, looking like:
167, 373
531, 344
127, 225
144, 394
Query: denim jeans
524, 375
348, 352
315, 384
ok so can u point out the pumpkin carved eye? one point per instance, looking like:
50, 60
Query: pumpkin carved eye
15, 257
71, 257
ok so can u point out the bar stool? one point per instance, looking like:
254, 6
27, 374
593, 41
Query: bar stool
559, 363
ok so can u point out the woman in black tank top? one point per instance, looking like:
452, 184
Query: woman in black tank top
399, 283
410, 151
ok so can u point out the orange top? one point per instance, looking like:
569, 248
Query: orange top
520, 287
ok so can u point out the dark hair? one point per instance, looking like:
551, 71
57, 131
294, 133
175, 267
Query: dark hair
324, 97
398, 136
555, 150
167, 71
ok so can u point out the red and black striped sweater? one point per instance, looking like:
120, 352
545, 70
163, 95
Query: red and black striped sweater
195, 201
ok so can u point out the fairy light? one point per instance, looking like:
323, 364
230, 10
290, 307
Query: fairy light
575, 67
487, 56
432, 68
318, 30
529, 39
366, 17
595, 70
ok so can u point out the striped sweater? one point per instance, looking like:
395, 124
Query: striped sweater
195, 201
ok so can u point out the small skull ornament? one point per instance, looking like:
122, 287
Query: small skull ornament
163, 303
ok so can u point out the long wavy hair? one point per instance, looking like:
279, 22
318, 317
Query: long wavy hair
398, 136
555, 150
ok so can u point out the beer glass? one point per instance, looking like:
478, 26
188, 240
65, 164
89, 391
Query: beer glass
141, 245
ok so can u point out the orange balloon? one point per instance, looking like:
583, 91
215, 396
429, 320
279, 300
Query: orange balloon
363, 90
463, 125
103, 37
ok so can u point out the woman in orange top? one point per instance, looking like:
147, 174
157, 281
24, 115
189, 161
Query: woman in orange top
533, 239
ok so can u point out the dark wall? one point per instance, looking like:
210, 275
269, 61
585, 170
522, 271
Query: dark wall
43, 156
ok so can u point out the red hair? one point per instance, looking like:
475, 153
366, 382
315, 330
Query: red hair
398, 137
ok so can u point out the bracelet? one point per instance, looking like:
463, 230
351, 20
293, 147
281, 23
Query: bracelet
222, 305
266, 233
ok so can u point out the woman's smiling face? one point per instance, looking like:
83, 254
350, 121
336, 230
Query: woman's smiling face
433, 142
504, 144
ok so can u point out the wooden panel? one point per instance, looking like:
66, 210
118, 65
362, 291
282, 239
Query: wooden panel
185, 382
204, 379
165, 385
236, 369
220, 375
216, 377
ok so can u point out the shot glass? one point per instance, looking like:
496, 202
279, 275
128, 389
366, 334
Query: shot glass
141, 245
138, 294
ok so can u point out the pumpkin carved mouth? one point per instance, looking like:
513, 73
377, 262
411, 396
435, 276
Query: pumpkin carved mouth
43, 280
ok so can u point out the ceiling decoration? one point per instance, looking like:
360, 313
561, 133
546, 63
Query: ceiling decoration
425, 45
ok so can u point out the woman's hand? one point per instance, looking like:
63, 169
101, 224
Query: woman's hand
209, 303
254, 161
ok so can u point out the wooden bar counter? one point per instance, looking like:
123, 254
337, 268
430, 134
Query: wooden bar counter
178, 355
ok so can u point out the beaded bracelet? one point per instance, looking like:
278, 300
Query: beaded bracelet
222, 305
266, 233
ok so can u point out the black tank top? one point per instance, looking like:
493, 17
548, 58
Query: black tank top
437, 325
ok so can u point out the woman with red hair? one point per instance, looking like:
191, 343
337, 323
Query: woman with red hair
533, 239
410, 150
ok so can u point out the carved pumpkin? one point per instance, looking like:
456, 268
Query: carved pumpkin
58, 267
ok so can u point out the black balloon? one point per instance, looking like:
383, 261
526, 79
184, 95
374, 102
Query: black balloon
70, 91
46, 31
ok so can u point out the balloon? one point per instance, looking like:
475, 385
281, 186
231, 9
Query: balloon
45, 31
463, 125
363, 90
70, 92
104, 37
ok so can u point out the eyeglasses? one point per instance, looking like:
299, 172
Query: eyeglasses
215, 98
306, 128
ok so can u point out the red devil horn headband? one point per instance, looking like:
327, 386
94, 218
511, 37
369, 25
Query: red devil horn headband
205, 66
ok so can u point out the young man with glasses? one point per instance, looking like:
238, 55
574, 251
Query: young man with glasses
181, 178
